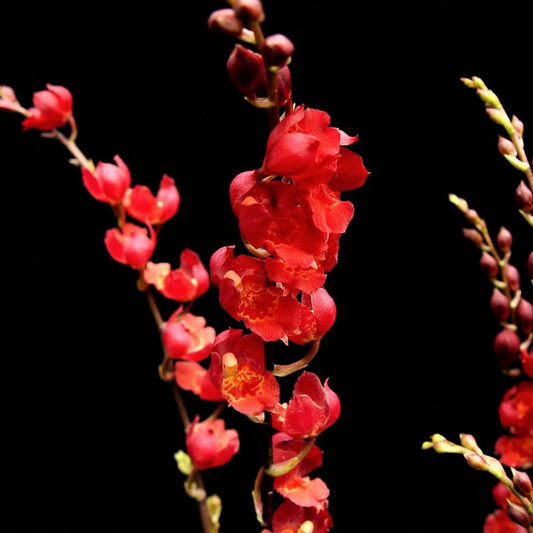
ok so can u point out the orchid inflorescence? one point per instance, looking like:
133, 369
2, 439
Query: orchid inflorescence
290, 217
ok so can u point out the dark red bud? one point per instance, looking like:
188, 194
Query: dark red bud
513, 277
530, 265
246, 69
499, 304
473, 235
249, 10
524, 198
524, 312
276, 50
506, 347
522, 483
284, 85
225, 22
518, 514
504, 239
489, 265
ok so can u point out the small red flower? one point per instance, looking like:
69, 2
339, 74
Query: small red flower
191, 376
51, 109
108, 183
499, 522
312, 409
187, 337
289, 518
296, 486
183, 284
238, 371
516, 450
142, 205
130, 245
209, 444
516, 409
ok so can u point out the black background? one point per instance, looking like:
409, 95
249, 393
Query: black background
90, 430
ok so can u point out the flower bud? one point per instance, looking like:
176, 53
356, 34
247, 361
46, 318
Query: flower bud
506, 347
524, 198
249, 10
506, 147
284, 85
276, 50
469, 442
473, 236
499, 304
530, 265
513, 277
518, 126
518, 514
489, 265
522, 483
524, 313
246, 69
504, 239
476, 461
472, 216
225, 22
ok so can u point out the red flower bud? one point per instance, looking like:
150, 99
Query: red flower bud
504, 239
225, 22
524, 313
52, 109
249, 10
522, 483
530, 265
524, 198
513, 277
506, 147
246, 70
108, 183
473, 236
518, 514
499, 304
489, 265
276, 50
506, 347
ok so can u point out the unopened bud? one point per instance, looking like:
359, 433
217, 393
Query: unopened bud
530, 265
284, 85
469, 442
460, 203
276, 50
506, 147
513, 277
524, 198
472, 216
489, 97
522, 483
474, 236
499, 304
506, 347
504, 239
489, 265
518, 514
476, 461
524, 313
498, 116
478, 83
225, 22
246, 69
518, 126
249, 10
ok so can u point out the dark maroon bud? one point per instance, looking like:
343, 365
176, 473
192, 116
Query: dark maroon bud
524, 312
246, 69
530, 265
276, 50
522, 483
506, 347
489, 265
504, 239
284, 85
499, 304
249, 10
518, 514
473, 235
225, 22
513, 277
524, 198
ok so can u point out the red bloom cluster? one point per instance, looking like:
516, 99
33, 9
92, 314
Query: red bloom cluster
51, 109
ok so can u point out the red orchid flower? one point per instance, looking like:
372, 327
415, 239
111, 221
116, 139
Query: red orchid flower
247, 294
296, 486
289, 518
187, 337
142, 205
210, 444
108, 183
130, 245
183, 284
51, 109
238, 371
313, 408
